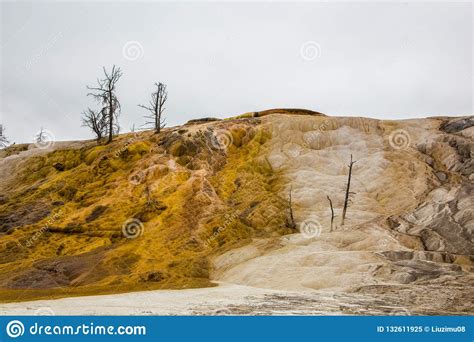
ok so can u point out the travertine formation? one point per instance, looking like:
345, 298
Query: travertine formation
208, 202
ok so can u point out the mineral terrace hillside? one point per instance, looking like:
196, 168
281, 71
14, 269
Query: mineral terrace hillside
208, 202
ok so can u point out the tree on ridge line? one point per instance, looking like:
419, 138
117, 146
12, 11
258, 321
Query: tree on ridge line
105, 95
156, 107
3, 139
96, 122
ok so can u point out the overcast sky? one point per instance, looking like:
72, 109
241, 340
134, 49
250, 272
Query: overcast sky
382, 60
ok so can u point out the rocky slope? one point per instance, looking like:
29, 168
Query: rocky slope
208, 201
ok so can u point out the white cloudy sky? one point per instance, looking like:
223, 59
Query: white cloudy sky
385, 60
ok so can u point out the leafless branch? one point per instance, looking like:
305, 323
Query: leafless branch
156, 106
96, 121
346, 200
332, 211
290, 221
105, 95
3, 139
40, 136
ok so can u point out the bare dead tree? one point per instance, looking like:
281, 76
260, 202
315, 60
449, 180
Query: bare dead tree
40, 136
290, 221
332, 212
348, 192
105, 95
96, 121
3, 139
156, 107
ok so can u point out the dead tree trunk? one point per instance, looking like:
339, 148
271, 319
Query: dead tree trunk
156, 107
346, 199
96, 122
40, 136
111, 113
3, 139
105, 95
290, 222
332, 212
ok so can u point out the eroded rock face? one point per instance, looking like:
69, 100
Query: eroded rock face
444, 219
445, 222
206, 188
457, 125
410, 219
